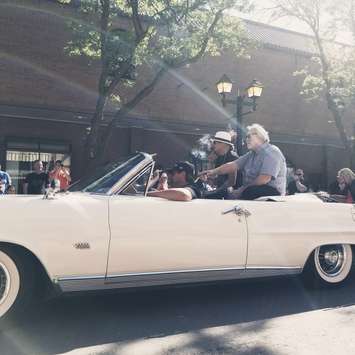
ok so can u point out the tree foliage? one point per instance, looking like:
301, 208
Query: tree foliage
131, 38
334, 80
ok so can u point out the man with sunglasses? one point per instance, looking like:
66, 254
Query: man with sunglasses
183, 187
263, 167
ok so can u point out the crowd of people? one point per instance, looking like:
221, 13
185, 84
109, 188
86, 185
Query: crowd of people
38, 180
262, 171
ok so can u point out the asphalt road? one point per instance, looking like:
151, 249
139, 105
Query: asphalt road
260, 317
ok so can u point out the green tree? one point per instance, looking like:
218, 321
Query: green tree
148, 38
334, 79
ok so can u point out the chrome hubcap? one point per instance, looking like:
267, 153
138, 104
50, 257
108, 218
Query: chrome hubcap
4, 283
330, 259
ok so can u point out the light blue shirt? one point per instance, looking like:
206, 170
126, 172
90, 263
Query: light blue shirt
267, 160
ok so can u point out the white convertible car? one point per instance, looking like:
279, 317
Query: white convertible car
105, 233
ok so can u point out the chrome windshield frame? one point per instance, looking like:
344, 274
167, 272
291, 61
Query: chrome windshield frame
122, 183
123, 180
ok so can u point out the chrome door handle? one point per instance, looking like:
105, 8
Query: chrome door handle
229, 210
239, 211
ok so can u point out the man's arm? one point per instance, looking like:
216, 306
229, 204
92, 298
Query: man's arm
225, 169
179, 194
261, 180
67, 175
232, 178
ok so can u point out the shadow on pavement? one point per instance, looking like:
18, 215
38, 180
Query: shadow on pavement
68, 323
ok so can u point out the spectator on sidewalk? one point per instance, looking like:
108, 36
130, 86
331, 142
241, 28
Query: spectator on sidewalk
5, 181
298, 183
37, 181
61, 174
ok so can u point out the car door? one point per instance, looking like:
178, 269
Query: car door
282, 234
153, 235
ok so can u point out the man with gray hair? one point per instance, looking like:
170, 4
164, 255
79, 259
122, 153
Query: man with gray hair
263, 167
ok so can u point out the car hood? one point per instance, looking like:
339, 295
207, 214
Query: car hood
23, 200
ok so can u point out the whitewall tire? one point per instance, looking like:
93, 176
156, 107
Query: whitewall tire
17, 282
9, 283
329, 265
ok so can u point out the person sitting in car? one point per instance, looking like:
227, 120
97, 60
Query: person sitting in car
263, 167
346, 177
182, 187
298, 183
223, 150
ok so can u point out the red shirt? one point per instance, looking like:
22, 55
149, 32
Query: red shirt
63, 178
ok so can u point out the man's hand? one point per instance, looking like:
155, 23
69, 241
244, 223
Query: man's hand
235, 194
156, 174
208, 174
163, 182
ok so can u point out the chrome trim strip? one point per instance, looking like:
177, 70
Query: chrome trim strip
273, 267
176, 272
73, 278
170, 278
179, 272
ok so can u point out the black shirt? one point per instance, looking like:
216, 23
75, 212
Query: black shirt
334, 189
36, 183
195, 190
223, 159
292, 188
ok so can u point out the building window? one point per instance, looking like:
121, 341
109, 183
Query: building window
20, 155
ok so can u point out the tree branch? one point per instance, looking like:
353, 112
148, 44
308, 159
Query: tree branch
137, 23
105, 5
129, 106
204, 44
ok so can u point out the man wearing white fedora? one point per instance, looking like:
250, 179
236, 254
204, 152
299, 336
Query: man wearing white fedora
223, 149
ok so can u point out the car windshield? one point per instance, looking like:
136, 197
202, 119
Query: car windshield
105, 177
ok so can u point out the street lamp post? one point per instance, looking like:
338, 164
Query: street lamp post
248, 98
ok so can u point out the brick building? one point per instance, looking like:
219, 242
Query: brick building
47, 98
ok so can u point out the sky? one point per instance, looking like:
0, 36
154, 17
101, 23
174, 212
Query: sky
262, 14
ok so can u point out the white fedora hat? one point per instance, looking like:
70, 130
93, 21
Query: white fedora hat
223, 137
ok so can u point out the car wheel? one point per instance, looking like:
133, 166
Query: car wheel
17, 276
329, 265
